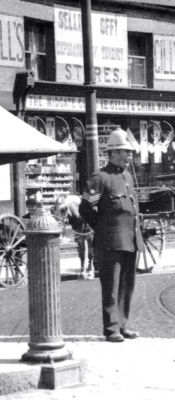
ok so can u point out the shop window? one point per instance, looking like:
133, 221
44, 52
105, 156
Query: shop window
39, 49
140, 60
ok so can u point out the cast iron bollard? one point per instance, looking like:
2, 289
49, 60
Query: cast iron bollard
46, 340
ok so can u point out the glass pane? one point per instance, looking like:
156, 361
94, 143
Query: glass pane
39, 37
137, 45
35, 38
29, 41
41, 67
137, 71
27, 35
28, 63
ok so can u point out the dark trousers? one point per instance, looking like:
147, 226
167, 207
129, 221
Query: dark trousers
117, 277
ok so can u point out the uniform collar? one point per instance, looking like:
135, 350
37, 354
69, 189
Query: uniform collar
114, 168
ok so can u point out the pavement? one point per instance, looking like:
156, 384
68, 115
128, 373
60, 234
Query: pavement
139, 369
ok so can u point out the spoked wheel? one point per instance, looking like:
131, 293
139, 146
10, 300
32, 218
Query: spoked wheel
154, 240
13, 251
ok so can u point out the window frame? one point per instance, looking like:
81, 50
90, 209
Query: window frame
49, 53
148, 57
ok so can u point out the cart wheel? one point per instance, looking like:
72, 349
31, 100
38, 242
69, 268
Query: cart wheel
154, 240
13, 252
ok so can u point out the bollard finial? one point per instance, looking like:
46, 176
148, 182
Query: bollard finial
43, 221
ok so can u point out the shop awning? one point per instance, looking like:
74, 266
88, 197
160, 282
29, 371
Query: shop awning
21, 142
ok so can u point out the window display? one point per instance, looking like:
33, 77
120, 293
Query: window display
51, 180
153, 142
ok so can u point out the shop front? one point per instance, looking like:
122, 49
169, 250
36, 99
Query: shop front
147, 115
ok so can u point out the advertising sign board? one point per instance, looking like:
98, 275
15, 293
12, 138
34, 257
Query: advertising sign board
5, 182
110, 47
11, 41
164, 57
103, 105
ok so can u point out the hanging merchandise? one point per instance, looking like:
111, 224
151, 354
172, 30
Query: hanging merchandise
144, 142
41, 126
50, 127
63, 135
168, 136
32, 122
157, 142
78, 132
164, 131
50, 131
62, 129
133, 141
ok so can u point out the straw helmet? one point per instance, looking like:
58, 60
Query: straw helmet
118, 140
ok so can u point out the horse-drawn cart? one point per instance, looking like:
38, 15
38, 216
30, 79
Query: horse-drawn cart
13, 251
157, 206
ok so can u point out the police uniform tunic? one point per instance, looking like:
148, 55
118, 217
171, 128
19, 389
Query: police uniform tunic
110, 207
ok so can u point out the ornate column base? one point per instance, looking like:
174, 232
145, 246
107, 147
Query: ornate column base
47, 353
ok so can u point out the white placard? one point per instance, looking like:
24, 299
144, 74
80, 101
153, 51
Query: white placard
112, 106
144, 142
50, 127
164, 57
50, 131
103, 141
110, 47
5, 192
12, 52
157, 142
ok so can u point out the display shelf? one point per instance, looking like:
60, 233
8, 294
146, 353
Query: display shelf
48, 173
46, 187
51, 180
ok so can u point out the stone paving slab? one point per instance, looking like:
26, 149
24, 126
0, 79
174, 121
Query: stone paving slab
141, 369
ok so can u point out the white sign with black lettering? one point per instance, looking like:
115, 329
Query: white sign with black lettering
12, 41
110, 47
5, 182
164, 57
105, 106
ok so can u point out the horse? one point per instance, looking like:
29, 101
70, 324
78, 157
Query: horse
83, 234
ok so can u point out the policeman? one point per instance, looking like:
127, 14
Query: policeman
110, 206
